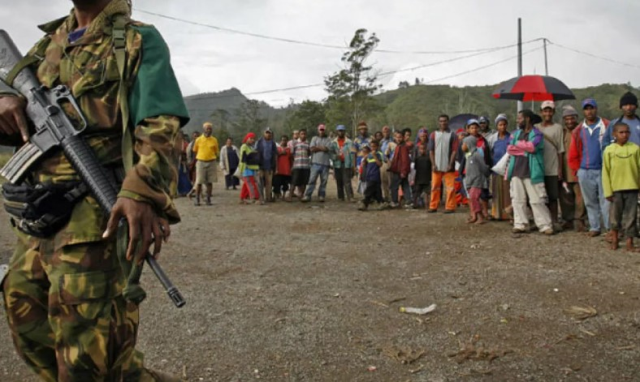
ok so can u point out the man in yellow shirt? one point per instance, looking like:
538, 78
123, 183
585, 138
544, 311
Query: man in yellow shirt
206, 150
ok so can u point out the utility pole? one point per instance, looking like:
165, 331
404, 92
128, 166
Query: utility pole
519, 56
546, 64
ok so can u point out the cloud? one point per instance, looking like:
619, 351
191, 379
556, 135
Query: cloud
209, 60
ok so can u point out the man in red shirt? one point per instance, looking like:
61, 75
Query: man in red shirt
400, 168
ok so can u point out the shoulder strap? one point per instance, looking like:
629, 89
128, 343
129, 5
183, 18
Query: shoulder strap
28, 60
120, 51
547, 139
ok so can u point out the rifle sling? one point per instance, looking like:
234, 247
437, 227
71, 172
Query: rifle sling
119, 49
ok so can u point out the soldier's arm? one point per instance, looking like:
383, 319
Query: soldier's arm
157, 110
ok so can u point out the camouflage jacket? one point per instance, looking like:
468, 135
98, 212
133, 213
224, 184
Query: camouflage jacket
89, 68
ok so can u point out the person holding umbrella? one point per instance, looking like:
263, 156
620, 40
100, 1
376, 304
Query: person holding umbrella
585, 159
553, 149
526, 174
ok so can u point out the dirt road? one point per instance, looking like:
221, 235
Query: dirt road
293, 292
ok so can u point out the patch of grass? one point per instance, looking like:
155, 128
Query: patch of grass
4, 158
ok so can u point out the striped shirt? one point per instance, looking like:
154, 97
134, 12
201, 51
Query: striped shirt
301, 155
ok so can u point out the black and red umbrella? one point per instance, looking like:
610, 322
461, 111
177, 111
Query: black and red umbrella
534, 88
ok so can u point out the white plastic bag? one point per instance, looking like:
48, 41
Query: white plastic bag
501, 167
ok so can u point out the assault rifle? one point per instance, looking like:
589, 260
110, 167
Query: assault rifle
54, 131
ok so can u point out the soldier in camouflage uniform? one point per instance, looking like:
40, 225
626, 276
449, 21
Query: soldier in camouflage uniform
63, 294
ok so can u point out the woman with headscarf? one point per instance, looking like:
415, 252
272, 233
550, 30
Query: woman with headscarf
498, 142
249, 163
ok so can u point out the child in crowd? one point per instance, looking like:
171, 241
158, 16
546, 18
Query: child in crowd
620, 183
282, 177
422, 181
473, 128
362, 182
249, 169
400, 168
301, 165
475, 178
372, 163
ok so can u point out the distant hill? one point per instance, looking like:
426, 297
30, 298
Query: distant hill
413, 106
222, 108
421, 104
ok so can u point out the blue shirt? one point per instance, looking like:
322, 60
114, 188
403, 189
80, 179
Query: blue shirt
76, 35
384, 143
634, 130
592, 147
373, 171
499, 147
268, 152
359, 143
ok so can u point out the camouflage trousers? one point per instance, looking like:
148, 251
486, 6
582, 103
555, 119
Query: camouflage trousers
66, 313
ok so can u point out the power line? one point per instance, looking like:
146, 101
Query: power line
384, 74
309, 43
428, 82
482, 67
594, 55
229, 30
454, 59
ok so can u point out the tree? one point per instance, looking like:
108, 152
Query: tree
248, 119
351, 89
221, 123
403, 84
308, 115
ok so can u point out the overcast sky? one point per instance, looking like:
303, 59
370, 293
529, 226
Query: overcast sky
210, 60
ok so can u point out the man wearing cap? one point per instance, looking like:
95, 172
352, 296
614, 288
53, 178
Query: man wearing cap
206, 150
361, 140
485, 129
320, 161
585, 160
268, 157
344, 163
526, 173
553, 149
574, 214
629, 105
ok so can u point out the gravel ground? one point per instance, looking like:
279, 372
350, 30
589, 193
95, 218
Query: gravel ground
293, 292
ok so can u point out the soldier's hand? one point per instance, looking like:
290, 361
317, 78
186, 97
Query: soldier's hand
144, 225
12, 118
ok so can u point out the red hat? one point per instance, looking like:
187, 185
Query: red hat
248, 136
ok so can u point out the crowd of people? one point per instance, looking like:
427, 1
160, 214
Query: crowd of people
580, 175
